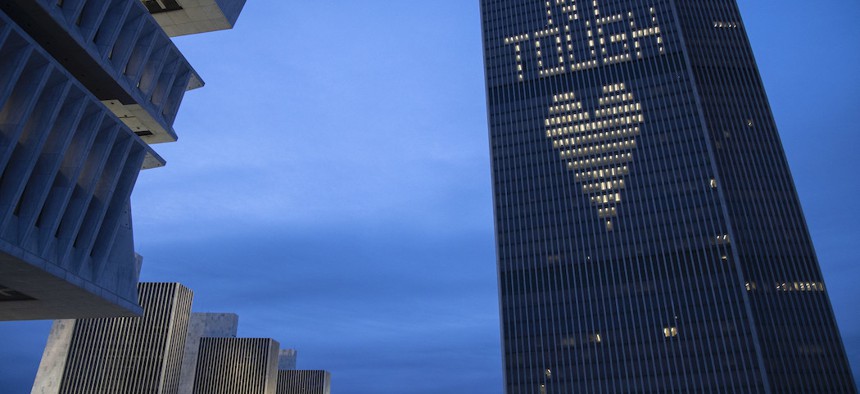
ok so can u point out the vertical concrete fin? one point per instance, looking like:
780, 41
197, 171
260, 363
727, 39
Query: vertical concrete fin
53, 364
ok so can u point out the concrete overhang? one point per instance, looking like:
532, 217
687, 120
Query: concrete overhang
36, 289
183, 17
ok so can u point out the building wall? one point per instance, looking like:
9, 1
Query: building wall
85, 85
120, 355
49, 377
625, 251
237, 365
287, 359
68, 169
220, 325
768, 229
304, 382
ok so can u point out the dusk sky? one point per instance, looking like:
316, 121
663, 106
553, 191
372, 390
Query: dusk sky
331, 184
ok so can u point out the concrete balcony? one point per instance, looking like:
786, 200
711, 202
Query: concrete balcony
67, 169
117, 51
182, 17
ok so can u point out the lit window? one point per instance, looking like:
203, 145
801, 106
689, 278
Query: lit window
670, 332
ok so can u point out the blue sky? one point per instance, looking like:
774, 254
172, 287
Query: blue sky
331, 184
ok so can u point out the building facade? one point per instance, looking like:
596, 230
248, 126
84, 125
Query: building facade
120, 355
237, 365
287, 359
202, 325
649, 236
304, 382
85, 87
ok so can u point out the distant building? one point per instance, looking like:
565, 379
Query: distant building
287, 359
129, 355
304, 382
85, 87
168, 350
237, 366
219, 325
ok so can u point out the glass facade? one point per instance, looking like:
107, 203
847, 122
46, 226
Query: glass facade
649, 236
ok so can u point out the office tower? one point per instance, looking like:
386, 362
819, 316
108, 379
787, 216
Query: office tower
85, 87
304, 382
237, 365
649, 235
287, 359
123, 354
218, 325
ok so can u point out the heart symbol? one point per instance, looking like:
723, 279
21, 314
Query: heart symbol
597, 146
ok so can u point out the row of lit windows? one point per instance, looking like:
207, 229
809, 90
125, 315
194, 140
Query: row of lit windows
628, 132
721, 239
601, 161
598, 337
590, 126
800, 286
597, 149
606, 212
725, 25
619, 58
790, 286
616, 87
516, 38
566, 118
610, 19
563, 97
617, 110
615, 99
565, 107
602, 173
545, 33
603, 186
616, 37
583, 65
551, 71
605, 199
646, 32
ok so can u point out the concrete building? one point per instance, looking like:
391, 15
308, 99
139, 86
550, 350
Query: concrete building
85, 87
181, 17
128, 355
213, 325
287, 359
304, 382
648, 230
237, 366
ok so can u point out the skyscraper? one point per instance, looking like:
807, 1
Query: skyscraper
120, 355
85, 87
649, 235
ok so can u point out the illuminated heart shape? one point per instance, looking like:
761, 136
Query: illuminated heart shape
597, 146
